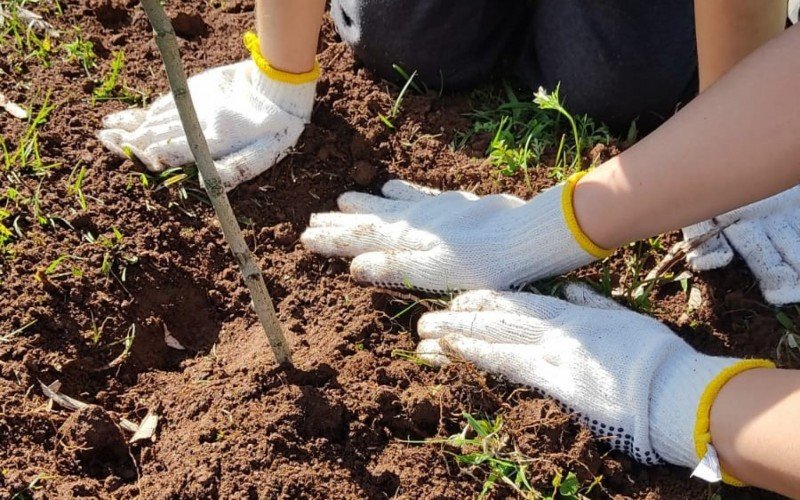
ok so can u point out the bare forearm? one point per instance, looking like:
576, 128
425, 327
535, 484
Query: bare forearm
734, 144
289, 32
752, 428
729, 30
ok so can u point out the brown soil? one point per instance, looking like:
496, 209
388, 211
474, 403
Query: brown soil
233, 425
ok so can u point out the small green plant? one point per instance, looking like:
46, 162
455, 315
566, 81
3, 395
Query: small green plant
111, 88
19, 164
82, 51
75, 186
32, 487
115, 260
552, 101
523, 131
9, 336
485, 447
54, 266
27, 36
394, 111
410, 356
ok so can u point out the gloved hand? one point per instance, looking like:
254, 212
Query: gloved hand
422, 238
766, 234
251, 115
625, 376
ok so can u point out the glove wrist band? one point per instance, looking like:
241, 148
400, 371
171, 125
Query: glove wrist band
702, 433
253, 46
572, 221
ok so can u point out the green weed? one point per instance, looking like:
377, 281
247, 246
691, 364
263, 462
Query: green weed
116, 259
32, 487
54, 266
111, 87
9, 336
22, 171
82, 51
410, 356
524, 131
394, 111
75, 186
487, 450
21, 36
552, 101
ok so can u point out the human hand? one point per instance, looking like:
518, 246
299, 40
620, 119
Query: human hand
250, 118
766, 234
625, 376
455, 240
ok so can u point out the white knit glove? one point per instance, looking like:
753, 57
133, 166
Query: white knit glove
251, 115
422, 238
766, 234
627, 377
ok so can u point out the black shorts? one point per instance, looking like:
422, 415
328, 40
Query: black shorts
616, 60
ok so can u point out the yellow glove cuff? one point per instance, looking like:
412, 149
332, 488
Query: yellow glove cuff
702, 433
253, 46
572, 222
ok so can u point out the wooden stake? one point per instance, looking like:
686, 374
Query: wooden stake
262, 303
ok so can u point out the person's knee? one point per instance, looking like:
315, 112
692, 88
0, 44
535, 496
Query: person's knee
616, 61
454, 44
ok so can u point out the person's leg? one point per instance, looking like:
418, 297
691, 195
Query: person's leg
454, 44
616, 60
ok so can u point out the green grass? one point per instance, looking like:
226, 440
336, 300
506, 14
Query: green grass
81, 51
486, 450
111, 87
394, 111
9, 336
22, 172
75, 186
29, 491
523, 131
25, 43
116, 258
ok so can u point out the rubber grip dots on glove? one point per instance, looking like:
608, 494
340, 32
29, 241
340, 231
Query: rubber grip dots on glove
253, 46
572, 222
702, 434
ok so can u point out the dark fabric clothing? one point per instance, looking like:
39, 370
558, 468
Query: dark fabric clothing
616, 60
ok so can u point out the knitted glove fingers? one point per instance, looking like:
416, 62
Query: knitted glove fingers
490, 326
399, 270
711, 254
339, 219
127, 120
540, 307
406, 191
374, 235
523, 364
250, 161
157, 147
582, 294
334, 241
431, 352
771, 254
494, 358
354, 202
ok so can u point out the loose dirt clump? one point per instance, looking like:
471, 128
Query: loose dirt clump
341, 424
94, 440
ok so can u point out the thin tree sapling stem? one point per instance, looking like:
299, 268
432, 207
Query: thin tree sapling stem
262, 303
